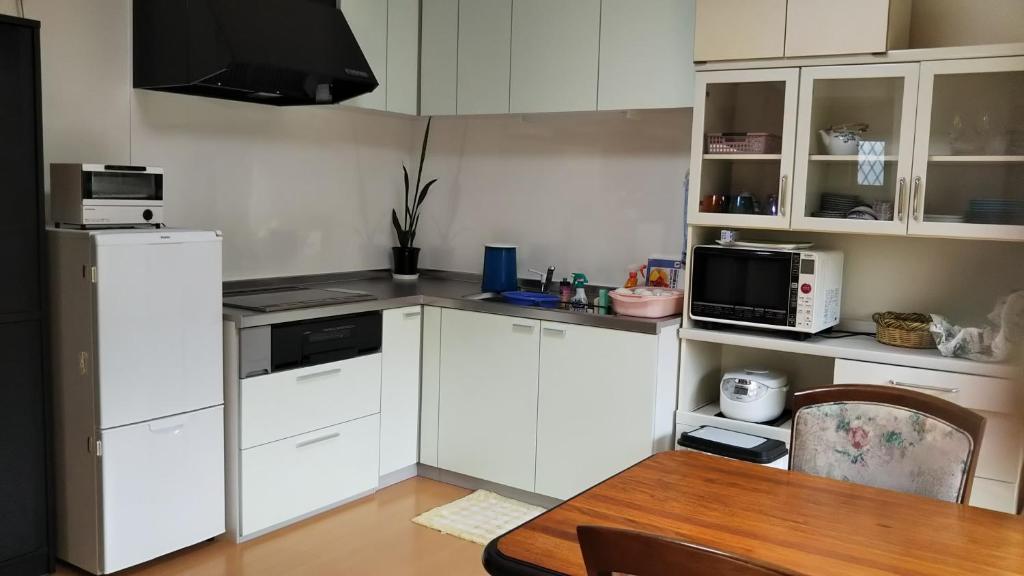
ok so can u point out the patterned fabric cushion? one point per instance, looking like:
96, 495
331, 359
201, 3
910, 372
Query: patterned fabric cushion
883, 446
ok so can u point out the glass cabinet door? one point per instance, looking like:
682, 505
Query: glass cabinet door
969, 157
855, 148
743, 141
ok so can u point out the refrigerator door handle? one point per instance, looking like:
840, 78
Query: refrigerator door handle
167, 426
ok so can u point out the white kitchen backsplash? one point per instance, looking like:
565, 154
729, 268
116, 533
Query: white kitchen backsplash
587, 192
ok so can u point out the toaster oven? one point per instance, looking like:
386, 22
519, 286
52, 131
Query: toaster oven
95, 195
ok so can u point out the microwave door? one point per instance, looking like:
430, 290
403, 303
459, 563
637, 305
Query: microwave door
742, 286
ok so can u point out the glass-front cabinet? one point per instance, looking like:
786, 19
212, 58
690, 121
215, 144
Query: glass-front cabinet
855, 148
743, 142
969, 158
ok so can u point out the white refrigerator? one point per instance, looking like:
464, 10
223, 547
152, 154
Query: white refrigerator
138, 402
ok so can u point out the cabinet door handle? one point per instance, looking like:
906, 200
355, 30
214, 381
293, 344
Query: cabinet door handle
320, 374
916, 198
555, 331
901, 192
411, 315
526, 327
942, 389
312, 441
782, 195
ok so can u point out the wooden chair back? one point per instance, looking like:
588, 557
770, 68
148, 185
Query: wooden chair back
608, 551
968, 421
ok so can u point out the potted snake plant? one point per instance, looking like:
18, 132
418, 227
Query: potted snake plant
406, 255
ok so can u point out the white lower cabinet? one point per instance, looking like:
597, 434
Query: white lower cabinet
400, 389
547, 407
487, 425
287, 479
596, 406
287, 403
998, 475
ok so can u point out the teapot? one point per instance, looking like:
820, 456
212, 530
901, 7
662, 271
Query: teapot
843, 139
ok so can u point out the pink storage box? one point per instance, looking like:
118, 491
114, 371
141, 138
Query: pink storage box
648, 306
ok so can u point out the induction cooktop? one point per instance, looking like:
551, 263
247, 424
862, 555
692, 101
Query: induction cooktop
293, 297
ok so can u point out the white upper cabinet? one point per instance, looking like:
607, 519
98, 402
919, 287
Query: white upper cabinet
439, 57
744, 128
827, 27
369, 22
554, 55
388, 32
484, 52
969, 155
855, 148
403, 56
749, 29
646, 54
740, 29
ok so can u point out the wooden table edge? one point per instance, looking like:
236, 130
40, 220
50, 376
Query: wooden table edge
506, 565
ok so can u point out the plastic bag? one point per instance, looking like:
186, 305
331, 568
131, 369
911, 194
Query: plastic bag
997, 343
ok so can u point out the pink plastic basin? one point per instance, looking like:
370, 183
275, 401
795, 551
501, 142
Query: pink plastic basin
647, 306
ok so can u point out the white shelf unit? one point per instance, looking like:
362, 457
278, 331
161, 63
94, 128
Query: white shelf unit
862, 348
976, 159
850, 158
744, 157
707, 415
914, 109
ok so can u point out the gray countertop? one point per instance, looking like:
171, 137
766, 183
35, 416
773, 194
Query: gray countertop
434, 288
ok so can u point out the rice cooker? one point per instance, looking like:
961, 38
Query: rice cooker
753, 395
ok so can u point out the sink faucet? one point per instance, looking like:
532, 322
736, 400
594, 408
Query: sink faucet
546, 278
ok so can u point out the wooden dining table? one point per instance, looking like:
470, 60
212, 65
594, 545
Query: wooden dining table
793, 522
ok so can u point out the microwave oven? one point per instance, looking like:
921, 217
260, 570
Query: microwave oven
92, 195
788, 290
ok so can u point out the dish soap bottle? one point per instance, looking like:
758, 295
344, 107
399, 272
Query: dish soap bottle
579, 281
565, 291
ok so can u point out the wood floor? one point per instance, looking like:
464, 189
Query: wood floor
370, 536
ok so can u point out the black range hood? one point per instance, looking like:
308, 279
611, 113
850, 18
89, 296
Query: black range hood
281, 52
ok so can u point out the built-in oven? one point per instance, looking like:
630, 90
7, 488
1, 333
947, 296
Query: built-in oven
792, 290
290, 345
106, 195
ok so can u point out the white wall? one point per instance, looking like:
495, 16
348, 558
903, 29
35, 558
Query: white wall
309, 190
936, 23
295, 191
587, 192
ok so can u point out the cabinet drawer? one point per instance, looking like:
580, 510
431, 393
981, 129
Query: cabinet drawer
994, 495
1000, 455
974, 392
285, 404
288, 478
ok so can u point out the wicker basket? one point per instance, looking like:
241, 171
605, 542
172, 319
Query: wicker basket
743, 143
907, 330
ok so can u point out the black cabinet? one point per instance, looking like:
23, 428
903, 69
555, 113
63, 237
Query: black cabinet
26, 487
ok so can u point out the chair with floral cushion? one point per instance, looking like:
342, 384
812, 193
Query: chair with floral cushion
887, 437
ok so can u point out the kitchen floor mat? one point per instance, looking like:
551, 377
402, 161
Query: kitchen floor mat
480, 517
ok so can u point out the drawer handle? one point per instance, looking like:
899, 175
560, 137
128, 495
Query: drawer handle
527, 327
320, 374
411, 315
555, 331
312, 441
942, 389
